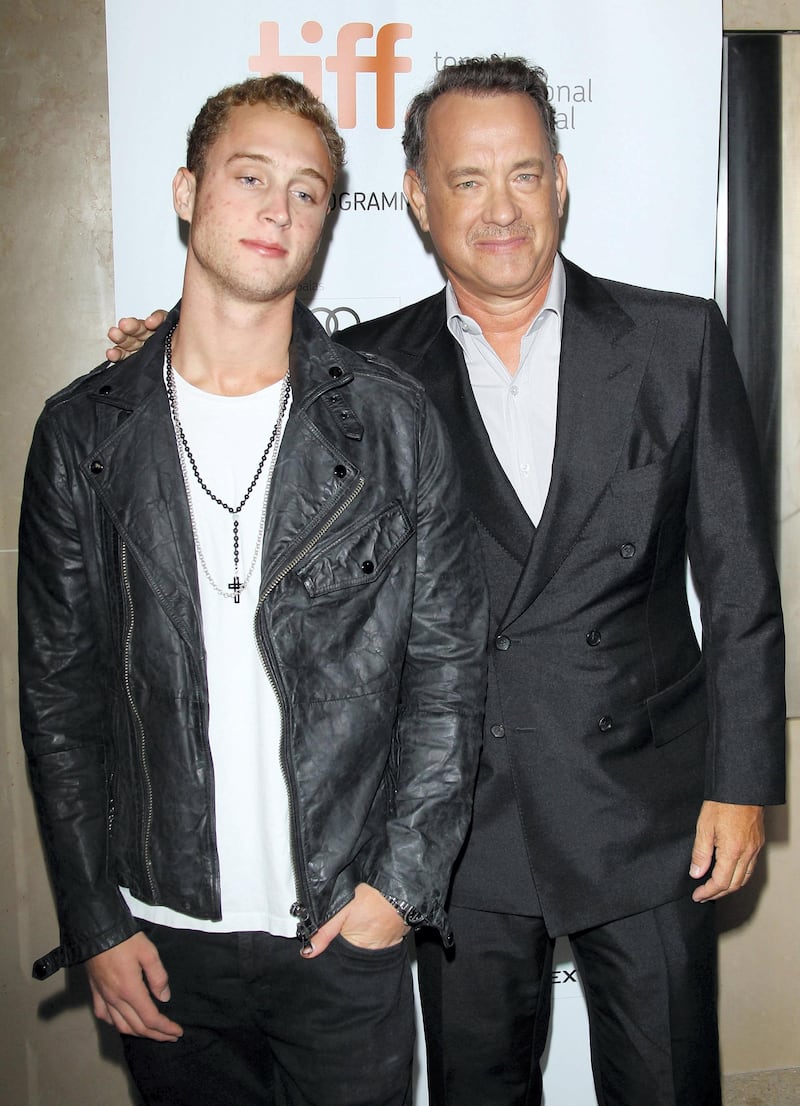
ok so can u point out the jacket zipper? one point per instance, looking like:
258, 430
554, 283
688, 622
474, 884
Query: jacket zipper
148, 784
299, 910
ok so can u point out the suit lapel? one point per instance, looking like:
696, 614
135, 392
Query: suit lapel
487, 490
603, 358
434, 357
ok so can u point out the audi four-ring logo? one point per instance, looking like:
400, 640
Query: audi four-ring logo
335, 319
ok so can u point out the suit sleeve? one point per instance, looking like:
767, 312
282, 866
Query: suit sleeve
729, 546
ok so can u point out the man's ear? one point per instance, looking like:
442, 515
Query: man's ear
560, 167
415, 194
184, 191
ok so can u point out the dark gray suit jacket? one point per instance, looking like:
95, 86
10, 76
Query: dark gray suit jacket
605, 726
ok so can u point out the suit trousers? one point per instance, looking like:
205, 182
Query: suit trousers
264, 1026
650, 987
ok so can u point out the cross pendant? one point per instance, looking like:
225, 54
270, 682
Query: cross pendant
235, 586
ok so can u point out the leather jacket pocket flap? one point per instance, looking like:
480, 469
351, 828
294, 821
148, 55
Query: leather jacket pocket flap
359, 555
679, 707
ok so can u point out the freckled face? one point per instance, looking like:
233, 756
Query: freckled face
493, 194
257, 213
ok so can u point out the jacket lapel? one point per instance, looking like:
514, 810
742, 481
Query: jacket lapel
603, 358
438, 363
135, 472
314, 477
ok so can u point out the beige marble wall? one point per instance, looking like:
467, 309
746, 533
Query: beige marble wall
55, 304
760, 957
761, 15
759, 995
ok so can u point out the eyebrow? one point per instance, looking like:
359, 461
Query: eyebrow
306, 171
478, 171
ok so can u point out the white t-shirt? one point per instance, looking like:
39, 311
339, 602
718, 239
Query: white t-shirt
227, 436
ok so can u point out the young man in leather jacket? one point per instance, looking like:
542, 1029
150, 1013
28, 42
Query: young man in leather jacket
252, 637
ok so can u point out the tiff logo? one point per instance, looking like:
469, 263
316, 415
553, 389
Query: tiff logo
345, 63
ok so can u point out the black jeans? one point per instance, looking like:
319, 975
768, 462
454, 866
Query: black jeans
263, 1026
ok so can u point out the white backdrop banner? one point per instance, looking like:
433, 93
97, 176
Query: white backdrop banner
636, 89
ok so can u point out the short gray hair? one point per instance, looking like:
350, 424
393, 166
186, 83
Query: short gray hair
490, 76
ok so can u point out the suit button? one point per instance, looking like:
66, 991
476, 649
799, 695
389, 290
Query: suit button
627, 550
367, 567
502, 643
498, 730
340, 471
605, 723
96, 466
593, 637
105, 390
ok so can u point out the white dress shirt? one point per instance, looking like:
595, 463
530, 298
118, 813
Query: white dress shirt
518, 409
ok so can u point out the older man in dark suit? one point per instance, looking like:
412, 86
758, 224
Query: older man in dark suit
603, 433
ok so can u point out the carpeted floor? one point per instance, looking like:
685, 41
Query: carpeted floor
762, 1088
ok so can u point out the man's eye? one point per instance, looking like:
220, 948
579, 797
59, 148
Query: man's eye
466, 185
249, 181
528, 177
304, 197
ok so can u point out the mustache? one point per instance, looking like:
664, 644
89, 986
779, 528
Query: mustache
499, 234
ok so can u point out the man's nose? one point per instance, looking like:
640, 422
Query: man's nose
502, 208
275, 207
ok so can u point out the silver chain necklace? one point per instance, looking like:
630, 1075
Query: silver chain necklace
187, 462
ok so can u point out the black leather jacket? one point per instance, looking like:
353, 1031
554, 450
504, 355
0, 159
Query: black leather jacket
371, 625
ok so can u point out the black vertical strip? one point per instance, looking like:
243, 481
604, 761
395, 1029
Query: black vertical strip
754, 233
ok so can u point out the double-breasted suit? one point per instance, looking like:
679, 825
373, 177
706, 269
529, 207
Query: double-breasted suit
606, 726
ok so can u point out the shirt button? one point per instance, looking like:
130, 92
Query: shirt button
514, 390
502, 643
593, 637
627, 550
498, 730
605, 723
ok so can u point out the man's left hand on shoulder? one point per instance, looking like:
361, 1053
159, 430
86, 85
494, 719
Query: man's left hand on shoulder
368, 921
730, 836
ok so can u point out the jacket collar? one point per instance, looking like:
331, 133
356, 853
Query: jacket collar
316, 363
136, 465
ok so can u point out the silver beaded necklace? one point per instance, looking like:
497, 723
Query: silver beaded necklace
188, 462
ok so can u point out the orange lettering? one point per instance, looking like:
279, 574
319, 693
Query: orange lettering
346, 63
270, 60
